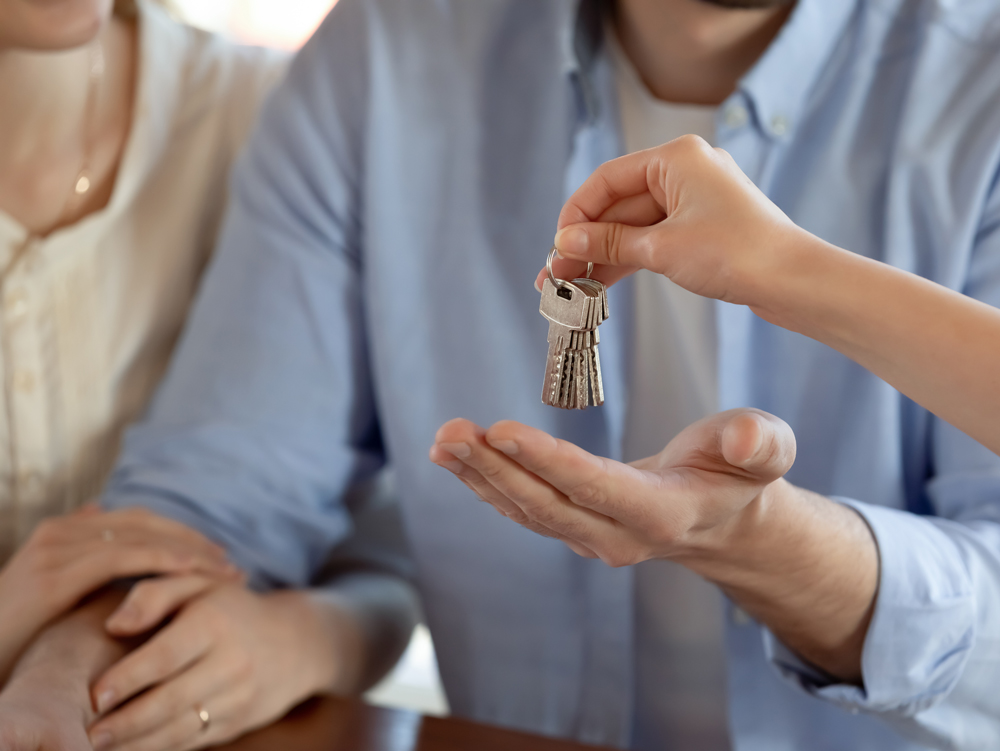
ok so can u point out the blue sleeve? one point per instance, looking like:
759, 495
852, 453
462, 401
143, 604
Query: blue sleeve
266, 418
931, 659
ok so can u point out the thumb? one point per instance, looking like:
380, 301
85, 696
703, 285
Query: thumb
610, 244
760, 444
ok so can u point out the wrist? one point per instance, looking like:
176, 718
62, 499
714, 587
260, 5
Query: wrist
56, 681
20, 618
782, 288
728, 551
317, 627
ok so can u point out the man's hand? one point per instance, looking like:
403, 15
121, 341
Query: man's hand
69, 557
244, 658
46, 704
41, 711
684, 501
713, 500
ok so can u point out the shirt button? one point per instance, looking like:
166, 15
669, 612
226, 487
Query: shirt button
24, 381
740, 617
16, 304
736, 116
779, 125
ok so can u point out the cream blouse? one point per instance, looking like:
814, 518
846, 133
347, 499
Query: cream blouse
89, 315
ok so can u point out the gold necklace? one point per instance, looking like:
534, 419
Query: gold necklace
83, 182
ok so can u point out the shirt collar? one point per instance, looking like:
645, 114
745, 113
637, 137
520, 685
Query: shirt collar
780, 82
778, 85
163, 49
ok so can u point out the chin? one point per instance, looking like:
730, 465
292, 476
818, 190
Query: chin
51, 24
750, 4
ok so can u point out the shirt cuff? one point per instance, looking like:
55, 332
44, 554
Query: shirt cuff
922, 628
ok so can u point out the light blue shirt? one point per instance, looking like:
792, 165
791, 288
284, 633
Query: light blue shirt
375, 279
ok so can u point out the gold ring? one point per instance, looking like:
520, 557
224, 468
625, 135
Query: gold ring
204, 716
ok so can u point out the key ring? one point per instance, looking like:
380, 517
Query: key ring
558, 283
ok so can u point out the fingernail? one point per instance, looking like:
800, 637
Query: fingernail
452, 466
105, 700
508, 447
461, 450
101, 740
121, 619
538, 287
572, 241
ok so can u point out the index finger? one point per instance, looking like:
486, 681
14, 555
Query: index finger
614, 181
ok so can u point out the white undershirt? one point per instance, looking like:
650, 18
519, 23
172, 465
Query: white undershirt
680, 655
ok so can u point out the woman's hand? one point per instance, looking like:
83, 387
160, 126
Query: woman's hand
69, 557
683, 502
243, 658
683, 209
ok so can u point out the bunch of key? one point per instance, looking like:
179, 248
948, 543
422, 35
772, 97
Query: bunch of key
573, 368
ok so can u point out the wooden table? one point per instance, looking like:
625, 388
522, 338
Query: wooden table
349, 725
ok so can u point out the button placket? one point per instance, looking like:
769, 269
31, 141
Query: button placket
26, 397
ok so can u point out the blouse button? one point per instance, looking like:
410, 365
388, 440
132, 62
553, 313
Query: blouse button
24, 381
29, 482
16, 305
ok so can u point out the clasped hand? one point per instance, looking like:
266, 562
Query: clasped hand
685, 502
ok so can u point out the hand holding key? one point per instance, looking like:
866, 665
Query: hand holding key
574, 310
684, 210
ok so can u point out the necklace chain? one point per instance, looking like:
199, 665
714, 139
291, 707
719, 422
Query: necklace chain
83, 181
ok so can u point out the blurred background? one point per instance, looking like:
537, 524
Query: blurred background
272, 23
287, 24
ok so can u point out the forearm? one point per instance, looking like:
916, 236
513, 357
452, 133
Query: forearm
16, 631
71, 653
929, 342
804, 566
356, 628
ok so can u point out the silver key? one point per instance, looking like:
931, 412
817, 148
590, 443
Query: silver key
573, 367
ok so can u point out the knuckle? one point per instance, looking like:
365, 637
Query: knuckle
518, 517
47, 532
545, 516
491, 471
173, 702
619, 557
161, 662
666, 533
587, 494
243, 667
612, 558
613, 243
538, 529
692, 145
648, 248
